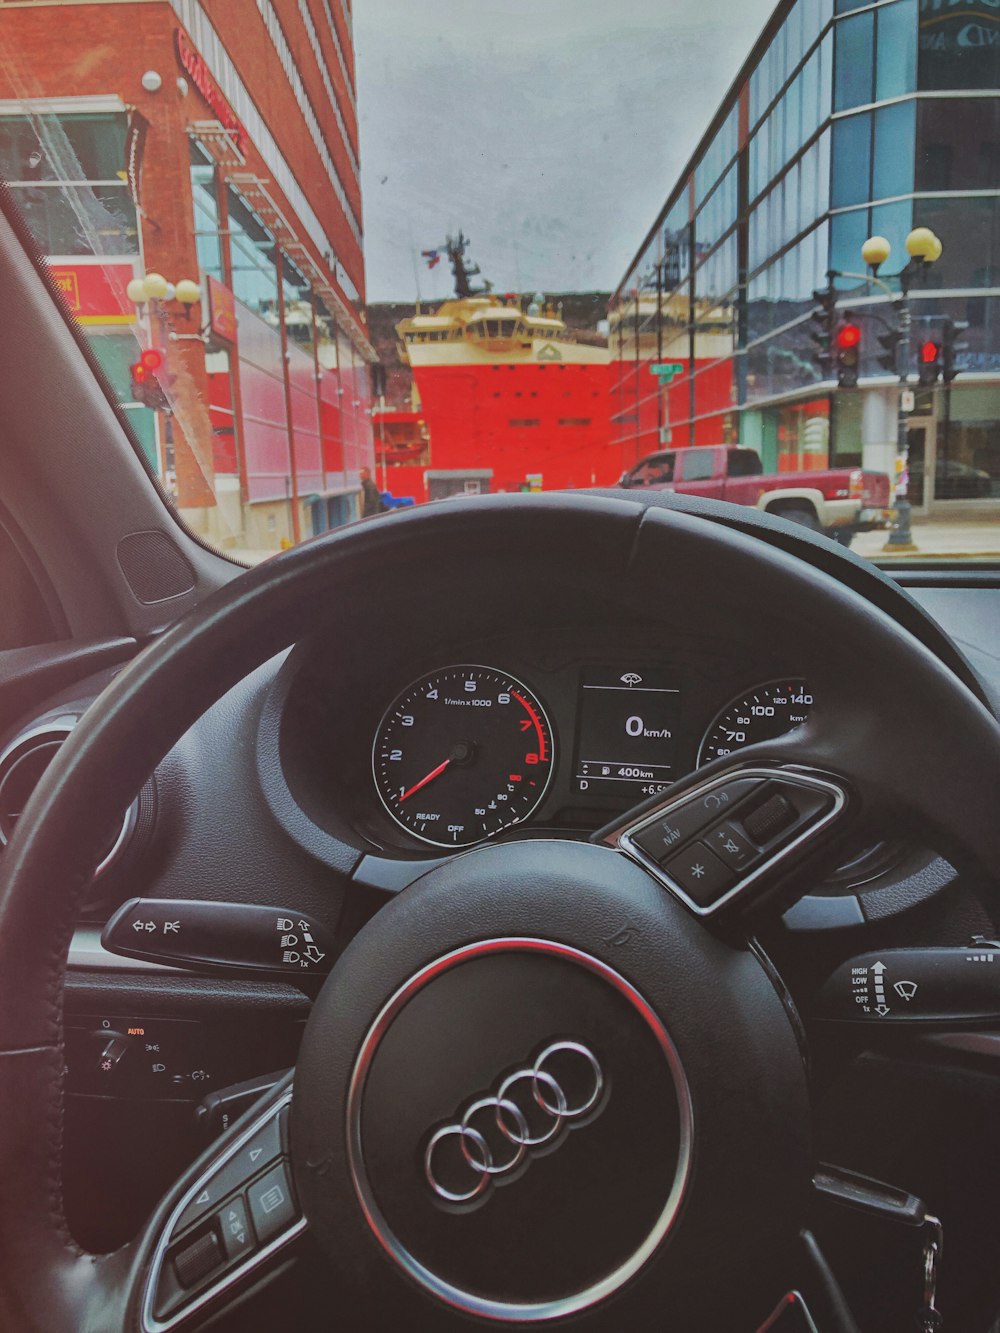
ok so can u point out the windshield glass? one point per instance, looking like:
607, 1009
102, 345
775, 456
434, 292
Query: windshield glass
336, 259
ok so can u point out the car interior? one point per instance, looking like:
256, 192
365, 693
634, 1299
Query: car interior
563, 909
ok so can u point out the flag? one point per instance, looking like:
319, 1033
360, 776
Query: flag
433, 257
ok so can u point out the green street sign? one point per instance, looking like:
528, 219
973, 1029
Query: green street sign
665, 370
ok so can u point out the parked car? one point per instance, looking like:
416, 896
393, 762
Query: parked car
953, 480
836, 501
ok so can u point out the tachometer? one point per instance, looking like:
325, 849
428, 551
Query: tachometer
462, 754
759, 715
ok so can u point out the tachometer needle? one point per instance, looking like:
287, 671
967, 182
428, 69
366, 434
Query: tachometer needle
434, 773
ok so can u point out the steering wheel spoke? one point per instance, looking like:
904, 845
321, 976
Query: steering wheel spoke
740, 835
232, 1219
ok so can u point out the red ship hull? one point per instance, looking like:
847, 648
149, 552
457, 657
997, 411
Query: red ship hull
519, 421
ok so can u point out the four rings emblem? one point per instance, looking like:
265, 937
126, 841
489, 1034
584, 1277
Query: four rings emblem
527, 1111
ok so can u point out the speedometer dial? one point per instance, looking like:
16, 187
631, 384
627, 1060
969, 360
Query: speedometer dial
462, 754
761, 714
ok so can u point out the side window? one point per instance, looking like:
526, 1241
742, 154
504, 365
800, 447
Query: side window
659, 468
664, 468
744, 463
697, 464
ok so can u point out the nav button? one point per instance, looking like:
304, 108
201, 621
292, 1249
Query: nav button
667, 833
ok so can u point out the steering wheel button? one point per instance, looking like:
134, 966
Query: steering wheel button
263, 1148
731, 846
769, 819
271, 1204
234, 1224
661, 839
201, 1205
197, 1260
700, 873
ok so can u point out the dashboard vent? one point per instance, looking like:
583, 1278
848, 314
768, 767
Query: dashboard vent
21, 767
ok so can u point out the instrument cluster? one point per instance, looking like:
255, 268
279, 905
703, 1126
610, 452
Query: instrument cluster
470, 749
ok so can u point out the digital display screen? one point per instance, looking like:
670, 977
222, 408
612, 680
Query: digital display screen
627, 733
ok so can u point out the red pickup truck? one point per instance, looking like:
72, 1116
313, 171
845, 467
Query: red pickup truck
836, 501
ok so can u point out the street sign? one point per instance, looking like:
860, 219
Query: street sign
665, 370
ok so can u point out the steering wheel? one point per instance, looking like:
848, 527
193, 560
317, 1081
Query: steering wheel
551, 1081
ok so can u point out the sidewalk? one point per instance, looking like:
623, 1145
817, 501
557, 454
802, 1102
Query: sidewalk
948, 539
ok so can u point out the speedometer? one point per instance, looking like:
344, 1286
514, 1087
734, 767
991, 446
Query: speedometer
761, 714
462, 754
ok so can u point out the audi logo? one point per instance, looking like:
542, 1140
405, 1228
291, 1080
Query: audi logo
528, 1110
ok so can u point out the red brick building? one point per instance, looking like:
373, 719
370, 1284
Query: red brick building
215, 142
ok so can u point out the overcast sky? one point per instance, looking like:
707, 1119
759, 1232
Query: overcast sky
549, 130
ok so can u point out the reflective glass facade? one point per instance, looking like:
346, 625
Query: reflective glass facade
848, 119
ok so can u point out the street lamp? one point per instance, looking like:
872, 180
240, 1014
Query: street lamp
155, 287
924, 248
153, 290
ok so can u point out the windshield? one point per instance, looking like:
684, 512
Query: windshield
336, 259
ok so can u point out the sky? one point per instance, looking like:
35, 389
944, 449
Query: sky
549, 131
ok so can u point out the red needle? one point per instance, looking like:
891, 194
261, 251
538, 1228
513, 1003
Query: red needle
435, 772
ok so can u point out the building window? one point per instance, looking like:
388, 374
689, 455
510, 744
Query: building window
254, 279
852, 148
892, 163
206, 212
970, 232
958, 46
66, 174
896, 66
848, 233
853, 66
958, 144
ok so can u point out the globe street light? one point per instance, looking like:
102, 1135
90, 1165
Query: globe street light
153, 289
923, 248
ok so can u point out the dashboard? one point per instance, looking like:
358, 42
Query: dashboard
289, 792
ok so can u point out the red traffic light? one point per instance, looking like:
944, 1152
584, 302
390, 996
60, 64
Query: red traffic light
848, 335
929, 352
138, 372
151, 359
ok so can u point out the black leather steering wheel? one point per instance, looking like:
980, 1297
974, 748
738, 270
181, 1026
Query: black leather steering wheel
540, 1086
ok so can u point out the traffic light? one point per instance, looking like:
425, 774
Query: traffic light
848, 353
949, 347
146, 388
888, 357
821, 322
929, 363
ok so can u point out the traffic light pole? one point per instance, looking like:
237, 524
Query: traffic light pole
901, 537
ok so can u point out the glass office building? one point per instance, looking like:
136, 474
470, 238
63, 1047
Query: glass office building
847, 120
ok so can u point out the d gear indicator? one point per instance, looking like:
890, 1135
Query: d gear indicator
627, 736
